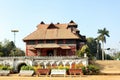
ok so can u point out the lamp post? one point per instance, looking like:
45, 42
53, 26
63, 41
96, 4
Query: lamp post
14, 31
106, 54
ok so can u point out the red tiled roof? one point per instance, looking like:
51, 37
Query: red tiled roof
43, 32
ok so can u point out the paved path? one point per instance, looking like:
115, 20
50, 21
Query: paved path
90, 77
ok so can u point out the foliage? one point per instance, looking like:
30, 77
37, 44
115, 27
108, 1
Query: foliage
91, 70
1, 54
102, 37
79, 66
116, 55
108, 57
27, 68
63, 67
2, 67
37, 67
8, 48
83, 50
103, 33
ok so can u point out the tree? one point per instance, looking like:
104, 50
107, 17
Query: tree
92, 44
116, 55
17, 52
1, 48
103, 33
83, 50
8, 48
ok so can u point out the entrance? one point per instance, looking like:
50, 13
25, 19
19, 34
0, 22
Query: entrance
19, 66
50, 53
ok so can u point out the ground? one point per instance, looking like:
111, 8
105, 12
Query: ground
84, 77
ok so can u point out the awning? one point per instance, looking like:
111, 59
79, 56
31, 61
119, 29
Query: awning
65, 47
32, 48
47, 46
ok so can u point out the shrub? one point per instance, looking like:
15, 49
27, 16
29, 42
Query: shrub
37, 67
63, 67
2, 67
91, 70
27, 68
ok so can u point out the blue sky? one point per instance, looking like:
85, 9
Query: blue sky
90, 15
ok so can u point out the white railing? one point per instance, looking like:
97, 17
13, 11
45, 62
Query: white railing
42, 57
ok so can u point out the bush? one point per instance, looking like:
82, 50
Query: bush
2, 67
27, 68
91, 70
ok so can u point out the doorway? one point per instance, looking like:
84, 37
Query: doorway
50, 53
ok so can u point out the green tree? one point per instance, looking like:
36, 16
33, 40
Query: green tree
103, 33
116, 55
1, 48
83, 50
8, 48
92, 44
17, 52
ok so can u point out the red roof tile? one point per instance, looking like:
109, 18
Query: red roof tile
58, 31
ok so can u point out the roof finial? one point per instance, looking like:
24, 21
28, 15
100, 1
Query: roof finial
42, 22
71, 21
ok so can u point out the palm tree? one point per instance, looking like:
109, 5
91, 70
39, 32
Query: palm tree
102, 37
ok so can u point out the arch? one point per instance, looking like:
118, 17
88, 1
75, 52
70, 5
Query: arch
19, 66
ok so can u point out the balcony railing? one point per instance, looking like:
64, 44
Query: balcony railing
43, 57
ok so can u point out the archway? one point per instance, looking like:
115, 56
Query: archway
19, 66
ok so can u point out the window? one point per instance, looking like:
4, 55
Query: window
31, 42
60, 42
50, 41
41, 42
70, 41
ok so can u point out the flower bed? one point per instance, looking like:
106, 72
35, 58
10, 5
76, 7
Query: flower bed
42, 71
26, 71
75, 71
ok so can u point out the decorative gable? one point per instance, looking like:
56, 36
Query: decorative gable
52, 26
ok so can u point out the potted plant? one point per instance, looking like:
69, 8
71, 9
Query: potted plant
5, 70
26, 71
39, 70
76, 69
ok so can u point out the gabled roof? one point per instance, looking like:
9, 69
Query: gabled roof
52, 31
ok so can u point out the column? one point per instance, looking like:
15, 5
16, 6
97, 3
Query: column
70, 63
64, 63
54, 52
45, 63
39, 52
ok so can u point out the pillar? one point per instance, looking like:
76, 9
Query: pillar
54, 52
70, 63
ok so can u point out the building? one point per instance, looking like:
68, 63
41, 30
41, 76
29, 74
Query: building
54, 40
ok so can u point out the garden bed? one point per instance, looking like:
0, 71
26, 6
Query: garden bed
42, 72
75, 72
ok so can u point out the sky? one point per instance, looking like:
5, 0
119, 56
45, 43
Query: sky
90, 15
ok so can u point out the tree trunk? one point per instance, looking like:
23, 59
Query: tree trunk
102, 51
